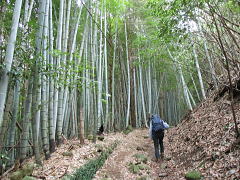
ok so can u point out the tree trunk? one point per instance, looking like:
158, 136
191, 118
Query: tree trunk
199, 73
81, 126
132, 102
4, 80
142, 93
128, 76
44, 93
12, 129
51, 85
59, 104
185, 89
26, 122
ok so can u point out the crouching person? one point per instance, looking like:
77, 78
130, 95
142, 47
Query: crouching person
156, 132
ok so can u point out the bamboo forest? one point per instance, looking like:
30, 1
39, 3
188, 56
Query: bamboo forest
119, 89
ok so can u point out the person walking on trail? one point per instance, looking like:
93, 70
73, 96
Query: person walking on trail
156, 132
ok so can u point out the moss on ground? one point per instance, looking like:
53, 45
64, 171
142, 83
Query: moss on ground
135, 168
88, 170
128, 130
67, 153
29, 178
141, 158
26, 170
193, 175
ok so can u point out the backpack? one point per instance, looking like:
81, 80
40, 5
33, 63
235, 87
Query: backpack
157, 123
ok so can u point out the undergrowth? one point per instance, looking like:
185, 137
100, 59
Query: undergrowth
128, 130
88, 170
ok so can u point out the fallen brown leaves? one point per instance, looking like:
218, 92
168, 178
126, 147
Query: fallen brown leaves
117, 165
206, 141
58, 165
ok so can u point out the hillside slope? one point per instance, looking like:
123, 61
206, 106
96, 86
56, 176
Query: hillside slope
206, 140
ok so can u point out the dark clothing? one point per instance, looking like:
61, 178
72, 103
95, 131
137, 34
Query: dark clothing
158, 141
157, 138
100, 130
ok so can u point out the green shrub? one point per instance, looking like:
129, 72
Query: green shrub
99, 147
29, 178
28, 169
136, 168
17, 175
88, 170
100, 138
143, 167
128, 130
193, 175
67, 153
141, 158
67, 177
143, 178
90, 137
133, 168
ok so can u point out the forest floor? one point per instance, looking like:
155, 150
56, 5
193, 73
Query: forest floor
117, 166
198, 143
205, 141
180, 157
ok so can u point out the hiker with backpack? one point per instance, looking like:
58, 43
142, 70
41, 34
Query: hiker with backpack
156, 132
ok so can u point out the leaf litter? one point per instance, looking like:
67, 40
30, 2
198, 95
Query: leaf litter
204, 141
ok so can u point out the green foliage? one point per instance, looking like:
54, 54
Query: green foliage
29, 178
134, 168
67, 153
67, 177
88, 170
116, 7
90, 137
143, 178
99, 147
168, 18
25, 172
145, 137
4, 156
193, 175
100, 138
28, 169
2, 67
143, 167
233, 5
6, 16
128, 130
141, 158
16, 175
4, 159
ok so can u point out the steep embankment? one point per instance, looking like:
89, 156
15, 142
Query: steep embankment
206, 140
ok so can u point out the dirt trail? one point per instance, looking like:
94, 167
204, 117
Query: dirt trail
183, 152
117, 164
137, 142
